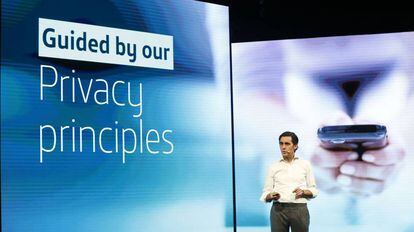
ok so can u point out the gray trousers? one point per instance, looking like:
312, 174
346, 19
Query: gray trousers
289, 215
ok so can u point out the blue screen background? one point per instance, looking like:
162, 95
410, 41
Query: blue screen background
301, 85
187, 190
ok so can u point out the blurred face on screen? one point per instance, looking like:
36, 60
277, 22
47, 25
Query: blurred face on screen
287, 148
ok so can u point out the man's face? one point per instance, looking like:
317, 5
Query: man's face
287, 148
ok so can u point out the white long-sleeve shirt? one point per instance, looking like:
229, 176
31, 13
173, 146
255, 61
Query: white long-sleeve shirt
284, 177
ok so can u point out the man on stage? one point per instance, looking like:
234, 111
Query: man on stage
289, 184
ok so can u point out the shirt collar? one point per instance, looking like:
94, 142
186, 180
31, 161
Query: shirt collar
282, 160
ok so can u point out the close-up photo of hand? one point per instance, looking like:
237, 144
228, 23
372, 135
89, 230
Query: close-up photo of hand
357, 168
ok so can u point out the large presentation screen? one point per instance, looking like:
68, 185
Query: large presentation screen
362, 85
115, 116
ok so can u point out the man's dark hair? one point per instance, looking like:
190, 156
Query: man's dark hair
293, 136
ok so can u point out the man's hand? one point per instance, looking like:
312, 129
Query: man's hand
272, 196
300, 193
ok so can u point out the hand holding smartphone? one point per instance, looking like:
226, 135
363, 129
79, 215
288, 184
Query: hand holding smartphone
356, 158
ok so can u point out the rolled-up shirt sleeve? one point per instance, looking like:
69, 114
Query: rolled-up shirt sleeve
310, 181
268, 186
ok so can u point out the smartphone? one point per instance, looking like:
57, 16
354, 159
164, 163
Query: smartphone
367, 136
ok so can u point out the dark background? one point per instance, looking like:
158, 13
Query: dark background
257, 20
